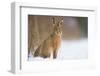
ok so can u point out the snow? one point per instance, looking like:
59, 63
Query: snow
70, 49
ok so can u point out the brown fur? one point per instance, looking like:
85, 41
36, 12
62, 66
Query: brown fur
51, 45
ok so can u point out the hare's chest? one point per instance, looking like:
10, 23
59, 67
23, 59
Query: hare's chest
57, 42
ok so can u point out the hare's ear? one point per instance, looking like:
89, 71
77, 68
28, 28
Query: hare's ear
61, 22
53, 21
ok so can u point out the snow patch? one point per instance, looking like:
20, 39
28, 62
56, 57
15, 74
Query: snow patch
70, 49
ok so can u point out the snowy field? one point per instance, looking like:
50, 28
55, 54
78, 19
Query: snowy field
74, 49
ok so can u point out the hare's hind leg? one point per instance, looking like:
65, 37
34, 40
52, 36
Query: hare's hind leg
46, 55
37, 52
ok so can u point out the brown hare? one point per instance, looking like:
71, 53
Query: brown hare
51, 45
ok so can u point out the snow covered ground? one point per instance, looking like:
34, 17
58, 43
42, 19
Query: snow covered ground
72, 49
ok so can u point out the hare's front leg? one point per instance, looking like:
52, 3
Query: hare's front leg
55, 52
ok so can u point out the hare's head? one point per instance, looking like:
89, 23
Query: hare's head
57, 26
